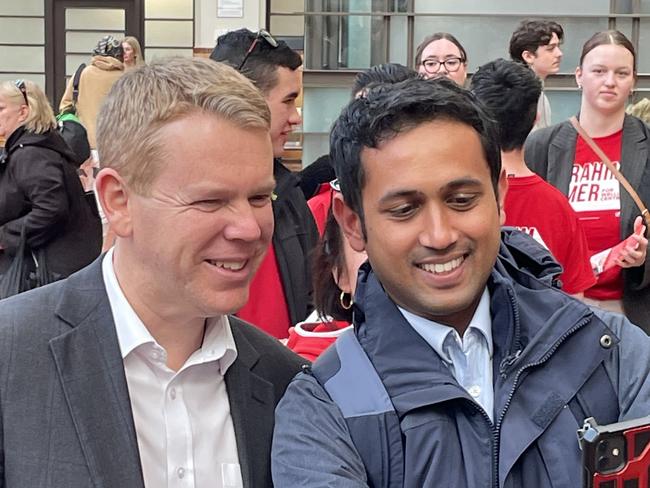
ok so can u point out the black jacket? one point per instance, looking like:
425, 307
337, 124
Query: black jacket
40, 190
294, 237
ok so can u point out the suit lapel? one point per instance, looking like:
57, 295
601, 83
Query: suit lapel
89, 366
252, 409
634, 154
561, 157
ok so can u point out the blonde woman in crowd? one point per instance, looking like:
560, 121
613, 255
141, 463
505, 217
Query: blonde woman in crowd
132, 52
40, 193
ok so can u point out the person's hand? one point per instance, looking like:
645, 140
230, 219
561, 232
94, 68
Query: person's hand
634, 252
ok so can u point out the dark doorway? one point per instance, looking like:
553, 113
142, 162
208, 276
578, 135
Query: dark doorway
73, 26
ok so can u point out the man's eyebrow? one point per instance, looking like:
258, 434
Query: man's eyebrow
398, 194
292, 95
463, 182
451, 186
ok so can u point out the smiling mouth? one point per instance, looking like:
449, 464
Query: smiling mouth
229, 265
442, 268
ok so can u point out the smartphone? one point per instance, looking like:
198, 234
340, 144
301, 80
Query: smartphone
616, 455
604, 260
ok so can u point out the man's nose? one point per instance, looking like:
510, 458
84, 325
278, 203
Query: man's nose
244, 224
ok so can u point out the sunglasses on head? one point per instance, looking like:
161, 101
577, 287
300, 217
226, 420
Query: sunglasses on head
20, 84
261, 34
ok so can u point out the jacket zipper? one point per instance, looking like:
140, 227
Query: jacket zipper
542, 360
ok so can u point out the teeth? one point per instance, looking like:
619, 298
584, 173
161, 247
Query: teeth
442, 267
231, 265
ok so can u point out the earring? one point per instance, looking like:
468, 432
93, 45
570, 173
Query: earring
342, 301
579, 86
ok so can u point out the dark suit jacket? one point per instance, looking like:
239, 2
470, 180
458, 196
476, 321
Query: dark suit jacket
65, 414
550, 153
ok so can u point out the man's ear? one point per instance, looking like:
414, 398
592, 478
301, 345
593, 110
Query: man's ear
528, 57
503, 189
113, 196
349, 221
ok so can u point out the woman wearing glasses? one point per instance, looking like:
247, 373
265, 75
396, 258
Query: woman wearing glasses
606, 77
40, 192
441, 54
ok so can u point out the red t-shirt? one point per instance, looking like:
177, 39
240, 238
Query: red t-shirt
267, 306
539, 209
594, 193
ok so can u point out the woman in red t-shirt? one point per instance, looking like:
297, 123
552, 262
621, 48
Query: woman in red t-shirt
606, 76
335, 278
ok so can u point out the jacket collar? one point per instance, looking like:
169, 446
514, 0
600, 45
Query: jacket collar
252, 407
90, 369
527, 325
634, 154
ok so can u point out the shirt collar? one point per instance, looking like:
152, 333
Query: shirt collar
218, 341
435, 334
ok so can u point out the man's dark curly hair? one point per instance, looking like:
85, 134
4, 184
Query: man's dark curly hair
531, 34
510, 92
387, 110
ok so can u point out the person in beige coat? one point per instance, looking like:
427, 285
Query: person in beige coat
96, 80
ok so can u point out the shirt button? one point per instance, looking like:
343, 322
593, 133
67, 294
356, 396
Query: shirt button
172, 394
180, 472
474, 390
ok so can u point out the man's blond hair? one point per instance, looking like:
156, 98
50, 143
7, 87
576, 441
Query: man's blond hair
147, 98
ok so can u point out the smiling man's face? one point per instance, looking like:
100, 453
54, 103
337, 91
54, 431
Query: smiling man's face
432, 223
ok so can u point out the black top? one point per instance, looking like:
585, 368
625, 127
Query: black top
40, 191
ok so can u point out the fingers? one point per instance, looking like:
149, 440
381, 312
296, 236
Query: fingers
632, 256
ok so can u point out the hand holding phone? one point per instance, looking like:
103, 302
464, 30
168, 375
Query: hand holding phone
627, 253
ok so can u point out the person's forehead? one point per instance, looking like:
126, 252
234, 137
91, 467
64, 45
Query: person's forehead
610, 52
458, 144
287, 81
441, 48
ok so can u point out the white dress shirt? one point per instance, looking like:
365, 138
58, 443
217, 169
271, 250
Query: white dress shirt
469, 358
182, 418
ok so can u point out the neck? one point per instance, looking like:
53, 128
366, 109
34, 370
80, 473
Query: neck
598, 124
514, 164
179, 335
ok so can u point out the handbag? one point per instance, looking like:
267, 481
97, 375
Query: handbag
70, 128
27, 270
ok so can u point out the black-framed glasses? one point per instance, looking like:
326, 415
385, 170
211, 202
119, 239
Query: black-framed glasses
261, 34
432, 65
20, 84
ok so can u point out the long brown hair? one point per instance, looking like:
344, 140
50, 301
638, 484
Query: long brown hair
328, 259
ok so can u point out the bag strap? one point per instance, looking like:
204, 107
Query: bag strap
608, 162
75, 83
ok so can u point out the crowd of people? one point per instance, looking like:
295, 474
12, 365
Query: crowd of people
469, 280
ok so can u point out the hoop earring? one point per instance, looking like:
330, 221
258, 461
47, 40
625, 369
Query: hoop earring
348, 305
